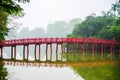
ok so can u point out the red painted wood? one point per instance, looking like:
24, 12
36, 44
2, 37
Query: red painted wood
102, 51
55, 40
47, 41
72, 45
78, 51
14, 52
24, 52
62, 52
27, 52
86, 50
1, 52
82, 51
57, 52
93, 53
96, 53
46, 51
11, 52
67, 52
111, 51
39, 52
50, 52
35, 52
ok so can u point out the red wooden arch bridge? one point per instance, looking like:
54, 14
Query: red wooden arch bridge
82, 46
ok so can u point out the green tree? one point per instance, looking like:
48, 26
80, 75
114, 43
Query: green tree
92, 26
3, 24
7, 8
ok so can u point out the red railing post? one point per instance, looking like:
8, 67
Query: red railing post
78, 51
50, 52
35, 52
1, 52
93, 51
39, 52
27, 52
57, 52
14, 52
46, 52
11, 52
102, 51
62, 51
87, 50
72, 45
67, 51
82, 51
105, 51
111, 51
23, 52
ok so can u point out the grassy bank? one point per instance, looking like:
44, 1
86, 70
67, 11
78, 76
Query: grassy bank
109, 72
99, 73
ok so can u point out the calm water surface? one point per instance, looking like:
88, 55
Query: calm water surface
42, 73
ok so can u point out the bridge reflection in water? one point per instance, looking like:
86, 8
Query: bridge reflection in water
57, 64
82, 44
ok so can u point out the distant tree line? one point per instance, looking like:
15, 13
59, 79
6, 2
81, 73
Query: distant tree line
106, 26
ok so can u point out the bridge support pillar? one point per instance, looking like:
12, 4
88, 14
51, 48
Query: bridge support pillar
86, 51
67, 52
96, 53
93, 52
39, 52
46, 52
13, 55
78, 51
50, 52
35, 52
102, 52
82, 51
27, 52
111, 52
14, 52
72, 47
24, 52
62, 51
1, 52
11, 52
57, 52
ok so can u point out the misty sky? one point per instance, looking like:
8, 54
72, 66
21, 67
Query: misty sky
40, 13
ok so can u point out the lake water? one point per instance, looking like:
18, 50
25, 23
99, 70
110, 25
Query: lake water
42, 73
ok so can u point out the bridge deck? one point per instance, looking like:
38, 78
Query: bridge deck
82, 44
56, 40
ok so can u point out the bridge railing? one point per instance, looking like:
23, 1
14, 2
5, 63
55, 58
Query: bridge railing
56, 40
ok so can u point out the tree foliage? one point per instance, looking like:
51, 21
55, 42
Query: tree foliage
105, 27
7, 8
92, 26
11, 6
3, 24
